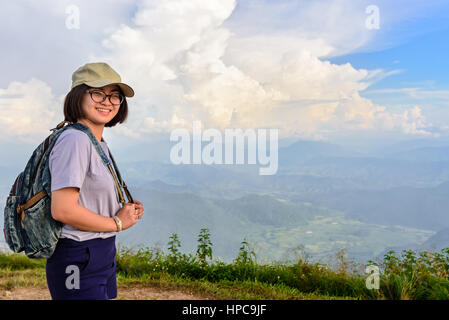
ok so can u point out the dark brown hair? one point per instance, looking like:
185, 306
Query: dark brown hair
73, 110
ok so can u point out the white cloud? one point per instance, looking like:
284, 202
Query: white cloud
195, 60
413, 122
28, 110
203, 71
157, 43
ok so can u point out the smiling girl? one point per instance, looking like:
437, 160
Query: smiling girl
83, 192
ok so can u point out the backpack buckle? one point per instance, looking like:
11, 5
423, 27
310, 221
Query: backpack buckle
61, 124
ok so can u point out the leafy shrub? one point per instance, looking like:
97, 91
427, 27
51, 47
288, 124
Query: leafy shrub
204, 250
415, 276
411, 275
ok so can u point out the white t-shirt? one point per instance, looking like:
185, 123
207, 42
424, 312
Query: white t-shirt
74, 162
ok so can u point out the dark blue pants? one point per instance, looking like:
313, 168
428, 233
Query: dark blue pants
83, 270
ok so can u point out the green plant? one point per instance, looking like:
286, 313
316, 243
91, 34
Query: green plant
415, 276
411, 275
19, 261
173, 246
204, 249
246, 254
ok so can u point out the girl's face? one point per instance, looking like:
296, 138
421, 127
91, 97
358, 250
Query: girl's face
97, 112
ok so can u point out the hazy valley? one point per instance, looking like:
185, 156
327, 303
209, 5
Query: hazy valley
323, 198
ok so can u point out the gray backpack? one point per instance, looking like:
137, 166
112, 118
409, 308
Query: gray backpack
28, 223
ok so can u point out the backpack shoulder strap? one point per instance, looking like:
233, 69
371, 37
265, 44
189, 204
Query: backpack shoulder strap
120, 179
106, 161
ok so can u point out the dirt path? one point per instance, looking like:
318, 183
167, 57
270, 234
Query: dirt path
127, 293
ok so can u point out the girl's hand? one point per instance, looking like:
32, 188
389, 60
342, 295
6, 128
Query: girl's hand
128, 215
139, 209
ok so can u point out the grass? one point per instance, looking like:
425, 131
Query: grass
17, 278
19, 262
222, 290
300, 280
411, 275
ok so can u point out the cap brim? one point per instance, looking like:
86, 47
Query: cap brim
127, 90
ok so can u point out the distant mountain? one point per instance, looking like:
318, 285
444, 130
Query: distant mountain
302, 151
429, 154
438, 241
407, 166
409, 145
375, 173
424, 208
160, 185
272, 222
403, 185
435, 243
229, 221
184, 214
265, 210
322, 160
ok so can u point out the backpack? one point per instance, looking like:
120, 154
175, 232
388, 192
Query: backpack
28, 223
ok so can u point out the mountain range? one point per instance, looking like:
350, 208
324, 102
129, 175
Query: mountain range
324, 197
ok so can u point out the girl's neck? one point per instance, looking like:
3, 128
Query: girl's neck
97, 129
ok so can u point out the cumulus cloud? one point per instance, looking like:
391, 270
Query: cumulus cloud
187, 65
413, 122
151, 55
28, 110
211, 61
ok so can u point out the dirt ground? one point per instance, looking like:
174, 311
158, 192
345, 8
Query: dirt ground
137, 293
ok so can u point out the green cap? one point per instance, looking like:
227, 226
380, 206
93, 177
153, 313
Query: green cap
98, 75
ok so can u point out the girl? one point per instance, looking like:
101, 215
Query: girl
83, 195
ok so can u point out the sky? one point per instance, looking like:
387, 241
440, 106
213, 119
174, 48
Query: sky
339, 71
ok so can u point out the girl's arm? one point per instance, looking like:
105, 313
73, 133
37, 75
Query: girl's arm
66, 209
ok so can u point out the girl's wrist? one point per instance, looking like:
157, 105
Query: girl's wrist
118, 223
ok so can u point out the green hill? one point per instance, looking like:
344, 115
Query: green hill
273, 225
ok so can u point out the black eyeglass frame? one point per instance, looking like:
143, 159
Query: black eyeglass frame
122, 98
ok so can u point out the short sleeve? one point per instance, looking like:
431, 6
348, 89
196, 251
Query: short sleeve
69, 160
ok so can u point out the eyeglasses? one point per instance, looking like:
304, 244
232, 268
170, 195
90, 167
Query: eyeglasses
100, 96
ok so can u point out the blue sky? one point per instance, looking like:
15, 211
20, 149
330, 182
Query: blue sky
421, 61
417, 56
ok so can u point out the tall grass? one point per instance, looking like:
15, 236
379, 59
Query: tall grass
19, 262
409, 275
416, 276
302, 275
